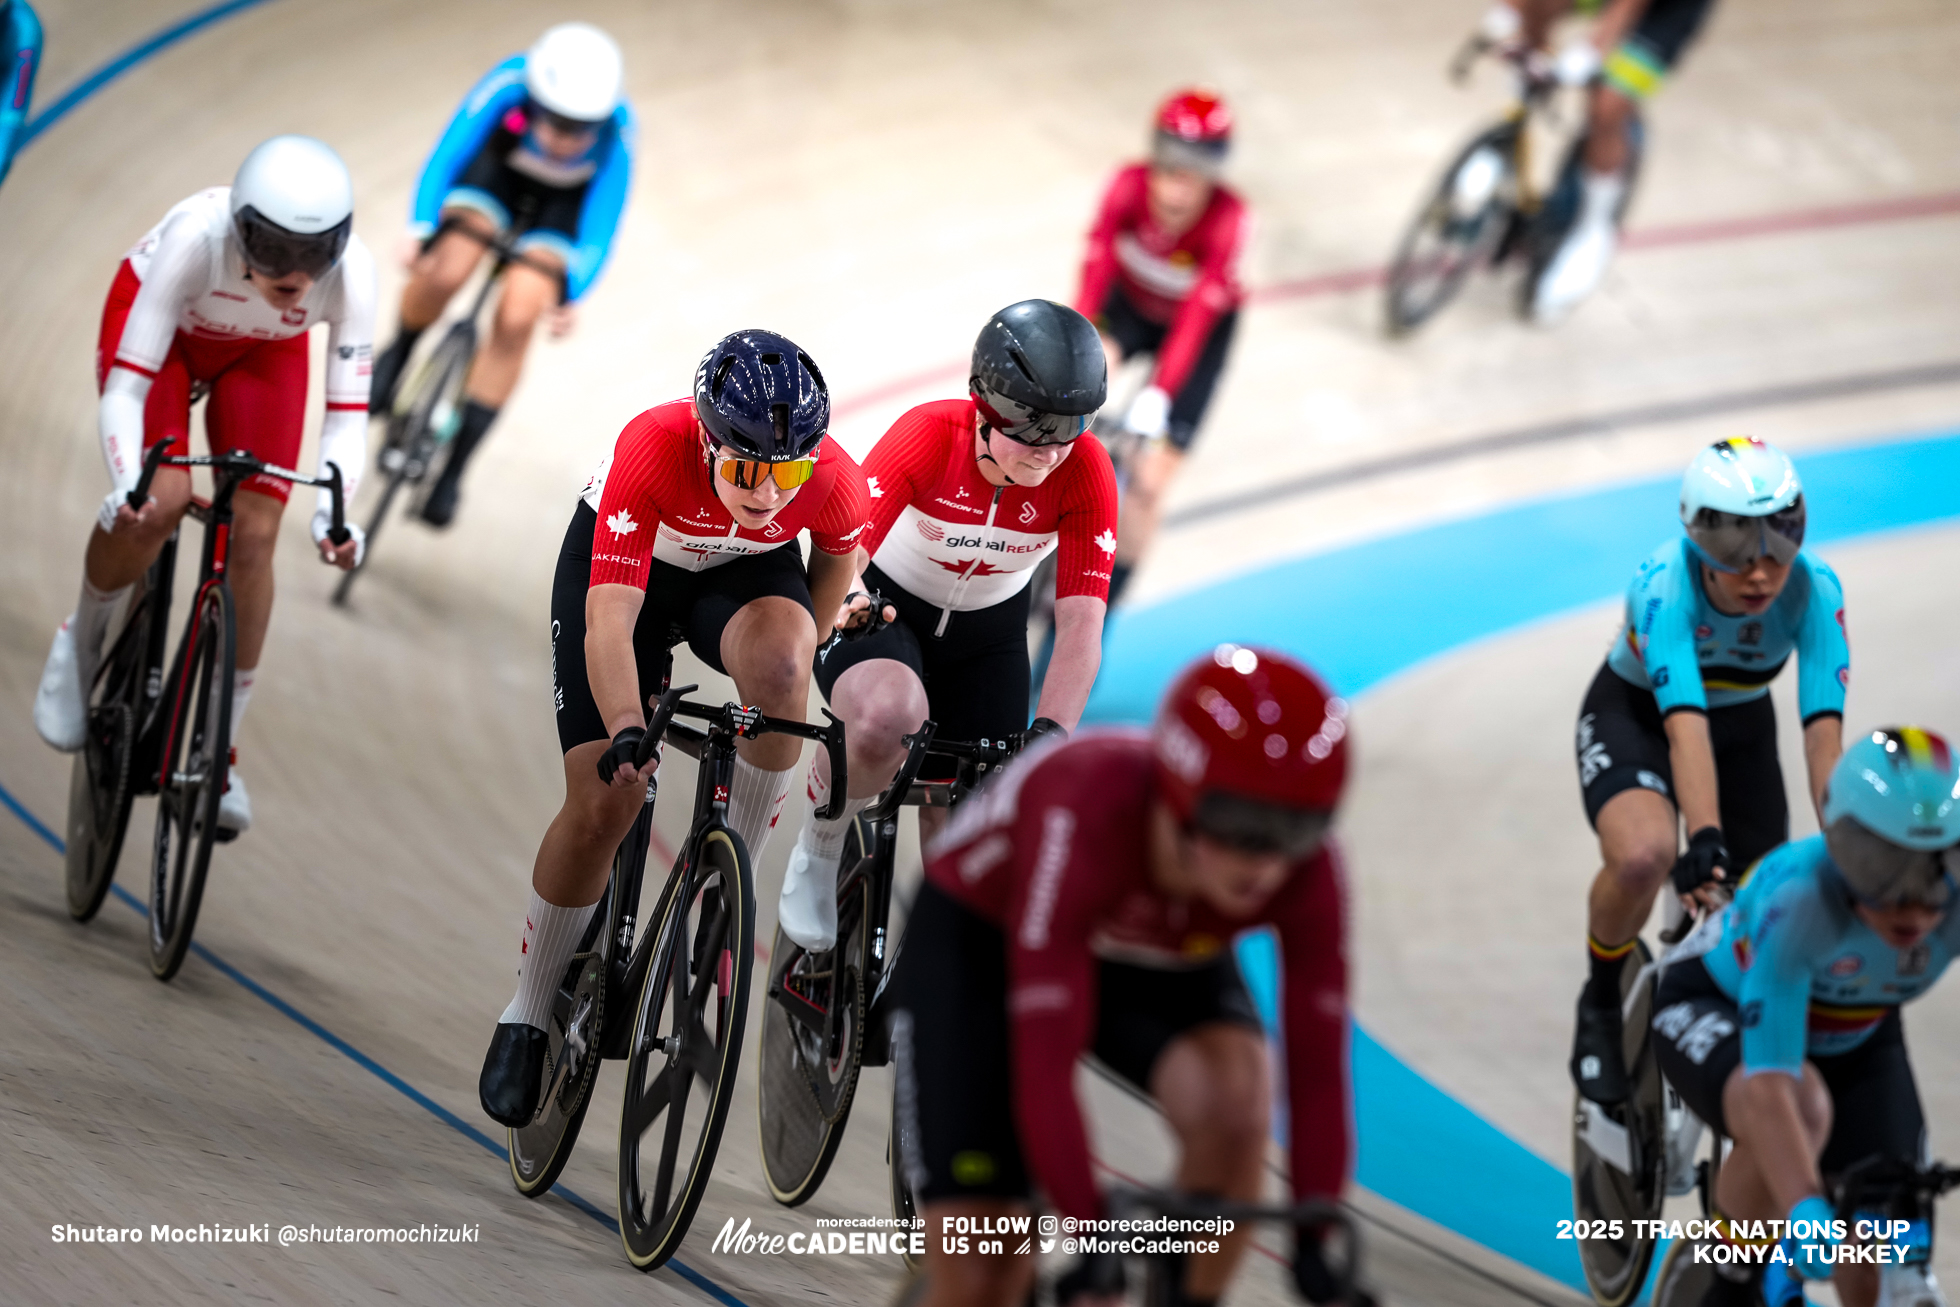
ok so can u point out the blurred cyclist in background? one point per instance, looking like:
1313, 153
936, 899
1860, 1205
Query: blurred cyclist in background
546, 137
1161, 278
221, 294
1084, 901
1632, 47
1678, 729
20, 56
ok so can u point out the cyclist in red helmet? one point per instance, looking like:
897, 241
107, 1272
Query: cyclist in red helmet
1085, 902
1161, 278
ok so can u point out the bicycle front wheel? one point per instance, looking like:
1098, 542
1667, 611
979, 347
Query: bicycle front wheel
1455, 231
192, 767
813, 1046
101, 785
437, 409
686, 1047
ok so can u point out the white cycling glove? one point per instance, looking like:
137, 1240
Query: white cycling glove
1501, 24
323, 523
105, 516
1577, 64
1150, 413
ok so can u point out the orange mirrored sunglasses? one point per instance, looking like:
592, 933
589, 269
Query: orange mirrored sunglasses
748, 473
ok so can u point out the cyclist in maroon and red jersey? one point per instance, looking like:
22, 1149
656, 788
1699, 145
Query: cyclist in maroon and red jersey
687, 532
1161, 277
1085, 902
967, 497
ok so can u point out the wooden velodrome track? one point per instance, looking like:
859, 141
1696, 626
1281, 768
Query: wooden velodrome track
873, 178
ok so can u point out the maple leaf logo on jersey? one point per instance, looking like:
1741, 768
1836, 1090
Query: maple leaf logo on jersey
1106, 541
981, 569
877, 492
622, 523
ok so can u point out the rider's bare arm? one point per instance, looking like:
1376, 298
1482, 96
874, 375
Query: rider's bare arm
1691, 753
1078, 654
611, 611
832, 576
1776, 1137
1823, 744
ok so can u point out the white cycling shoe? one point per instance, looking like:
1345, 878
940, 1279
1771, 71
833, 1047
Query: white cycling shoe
1574, 272
235, 808
807, 910
60, 704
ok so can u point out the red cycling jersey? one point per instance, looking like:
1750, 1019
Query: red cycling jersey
655, 500
968, 544
1184, 282
1053, 852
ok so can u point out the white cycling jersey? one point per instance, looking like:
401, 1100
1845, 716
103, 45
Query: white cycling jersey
194, 281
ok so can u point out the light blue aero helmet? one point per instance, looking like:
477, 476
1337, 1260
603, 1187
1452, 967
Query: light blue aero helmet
1741, 499
1892, 816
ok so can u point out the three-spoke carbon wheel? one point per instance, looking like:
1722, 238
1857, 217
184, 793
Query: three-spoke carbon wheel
101, 786
1619, 1154
686, 1046
1456, 231
192, 766
813, 1046
540, 1149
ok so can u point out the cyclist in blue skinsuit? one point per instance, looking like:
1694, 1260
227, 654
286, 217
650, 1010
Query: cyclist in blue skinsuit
546, 140
1786, 1035
20, 56
1678, 728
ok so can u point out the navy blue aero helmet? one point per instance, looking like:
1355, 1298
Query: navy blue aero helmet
760, 395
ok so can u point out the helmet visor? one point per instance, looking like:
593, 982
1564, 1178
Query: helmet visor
1029, 426
1255, 826
1177, 154
277, 252
1883, 874
1732, 542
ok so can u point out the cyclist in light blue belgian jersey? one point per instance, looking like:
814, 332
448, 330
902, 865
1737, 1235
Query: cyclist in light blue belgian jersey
545, 142
1786, 1034
1678, 728
20, 57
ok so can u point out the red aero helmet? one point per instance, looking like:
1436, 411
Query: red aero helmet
1197, 116
1251, 722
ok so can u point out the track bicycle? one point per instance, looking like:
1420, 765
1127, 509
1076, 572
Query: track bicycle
1488, 209
822, 1023
429, 408
1163, 1272
671, 1000
165, 728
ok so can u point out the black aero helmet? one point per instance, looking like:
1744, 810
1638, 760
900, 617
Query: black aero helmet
760, 395
1039, 372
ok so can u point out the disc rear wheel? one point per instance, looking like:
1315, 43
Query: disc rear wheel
192, 769
101, 785
685, 1050
1619, 1154
1456, 230
540, 1148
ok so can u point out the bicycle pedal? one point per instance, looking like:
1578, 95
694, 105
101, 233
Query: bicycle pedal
226, 835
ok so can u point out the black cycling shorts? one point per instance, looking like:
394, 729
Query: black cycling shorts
976, 674
1621, 744
1640, 63
1137, 334
694, 607
950, 1043
491, 186
1875, 1102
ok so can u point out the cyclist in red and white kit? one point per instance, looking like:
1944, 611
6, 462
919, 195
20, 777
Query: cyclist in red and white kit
1085, 901
1161, 277
687, 532
967, 496
222, 294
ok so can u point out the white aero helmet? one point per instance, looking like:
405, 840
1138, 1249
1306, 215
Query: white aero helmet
1741, 499
292, 207
575, 71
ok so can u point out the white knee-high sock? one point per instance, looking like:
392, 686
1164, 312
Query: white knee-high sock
551, 936
241, 694
826, 838
94, 609
755, 801
1600, 197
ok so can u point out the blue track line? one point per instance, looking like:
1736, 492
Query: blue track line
367, 1063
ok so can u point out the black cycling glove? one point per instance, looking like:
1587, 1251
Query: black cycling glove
1696, 867
621, 752
1039, 727
1096, 1273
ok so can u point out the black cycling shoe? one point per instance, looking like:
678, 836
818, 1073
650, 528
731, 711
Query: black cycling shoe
1598, 1063
1725, 1291
440, 510
387, 376
513, 1070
